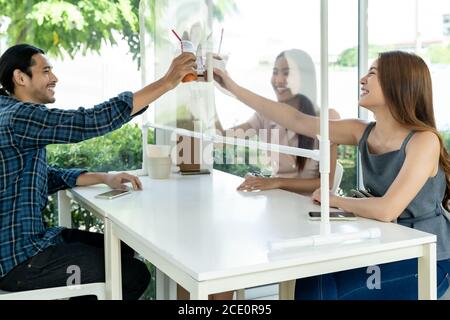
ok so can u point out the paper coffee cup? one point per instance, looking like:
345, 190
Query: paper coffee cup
158, 151
159, 168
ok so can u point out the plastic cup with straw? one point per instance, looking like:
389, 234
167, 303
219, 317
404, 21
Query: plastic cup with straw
219, 62
187, 46
220, 43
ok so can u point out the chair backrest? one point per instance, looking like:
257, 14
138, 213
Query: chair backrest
338, 174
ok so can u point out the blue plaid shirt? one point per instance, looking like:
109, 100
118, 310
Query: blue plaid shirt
26, 179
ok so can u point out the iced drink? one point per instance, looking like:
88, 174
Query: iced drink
189, 47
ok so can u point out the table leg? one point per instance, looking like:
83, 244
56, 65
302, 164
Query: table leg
286, 290
427, 273
240, 294
166, 288
113, 267
161, 289
172, 289
199, 293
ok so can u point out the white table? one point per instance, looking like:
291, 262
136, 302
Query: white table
210, 238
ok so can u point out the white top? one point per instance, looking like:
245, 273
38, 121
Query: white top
208, 229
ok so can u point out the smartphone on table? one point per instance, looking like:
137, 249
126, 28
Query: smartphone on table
334, 215
195, 172
112, 194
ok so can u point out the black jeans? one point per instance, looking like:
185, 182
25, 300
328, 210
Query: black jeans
80, 256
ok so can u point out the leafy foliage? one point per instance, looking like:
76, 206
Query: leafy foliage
349, 57
72, 26
446, 137
439, 54
221, 7
347, 158
69, 26
120, 150
227, 160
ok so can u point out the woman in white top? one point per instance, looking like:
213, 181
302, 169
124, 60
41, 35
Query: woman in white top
294, 82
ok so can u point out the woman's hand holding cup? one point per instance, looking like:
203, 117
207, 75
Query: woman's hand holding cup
223, 79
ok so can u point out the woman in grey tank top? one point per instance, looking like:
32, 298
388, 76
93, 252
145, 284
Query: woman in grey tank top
405, 166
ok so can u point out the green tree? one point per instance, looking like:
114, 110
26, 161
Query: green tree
72, 26
227, 159
439, 54
349, 57
446, 138
69, 26
347, 158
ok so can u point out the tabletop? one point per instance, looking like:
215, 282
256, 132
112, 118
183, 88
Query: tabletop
204, 226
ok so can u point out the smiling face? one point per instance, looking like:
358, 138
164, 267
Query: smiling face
371, 95
280, 80
40, 88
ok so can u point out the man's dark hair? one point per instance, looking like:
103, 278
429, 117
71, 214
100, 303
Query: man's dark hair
17, 57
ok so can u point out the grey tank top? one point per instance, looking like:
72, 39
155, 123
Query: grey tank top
425, 212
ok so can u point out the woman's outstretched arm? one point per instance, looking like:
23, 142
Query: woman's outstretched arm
341, 131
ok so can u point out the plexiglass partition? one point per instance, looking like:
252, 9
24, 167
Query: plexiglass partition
255, 41
249, 46
191, 105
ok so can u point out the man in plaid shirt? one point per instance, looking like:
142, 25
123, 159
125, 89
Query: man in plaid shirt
32, 256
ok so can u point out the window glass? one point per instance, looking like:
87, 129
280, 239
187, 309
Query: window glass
424, 30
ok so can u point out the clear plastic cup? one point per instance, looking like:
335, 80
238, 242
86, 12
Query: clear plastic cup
188, 46
220, 61
216, 62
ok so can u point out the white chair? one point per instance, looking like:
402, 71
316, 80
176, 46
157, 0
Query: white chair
97, 289
286, 289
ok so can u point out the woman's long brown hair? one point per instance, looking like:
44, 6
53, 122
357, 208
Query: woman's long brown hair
406, 84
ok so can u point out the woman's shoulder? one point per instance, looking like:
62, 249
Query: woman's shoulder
424, 141
424, 149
